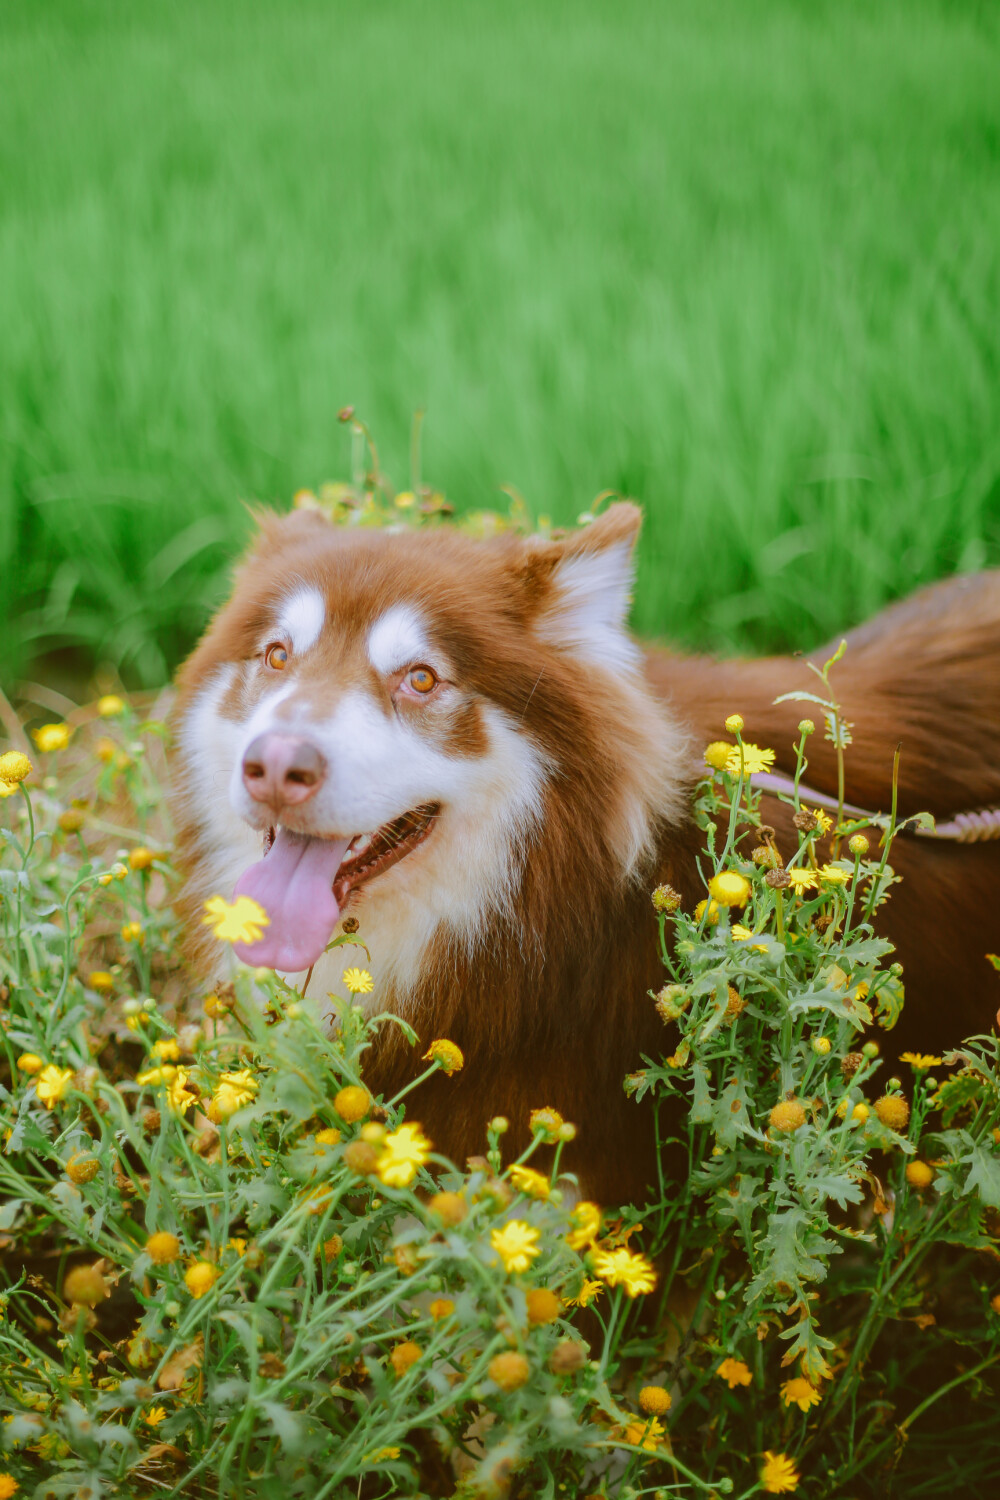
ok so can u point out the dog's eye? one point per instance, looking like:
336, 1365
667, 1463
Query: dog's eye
276, 657
421, 679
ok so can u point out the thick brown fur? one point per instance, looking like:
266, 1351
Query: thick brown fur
552, 1007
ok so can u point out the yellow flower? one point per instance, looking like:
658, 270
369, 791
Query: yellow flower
30, 1062
132, 932
586, 1221
655, 1400
52, 1083
200, 1278
14, 767
509, 1370
403, 1152
707, 909
778, 1474
823, 821
155, 1416
242, 921
919, 1174
441, 1307
352, 1103
640, 1434
405, 499
163, 1248
445, 1054
8, 1486
542, 1305
174, 1080
800, 1393
109, 706
730, 888
529, 1182
734, 1372
734, 723
516, 1244
920, 1061
787, 1116
404, 1357
243, 1084
328, 1137
360, 982
52, 736
141, 858
166, 1050
741, 934
860, 1113
101, 980
625, 1268
8, 788
802, 880
754, 760
586, 1295
381, 1454
237, 1243
717, 754
546, 1122
833, 875
893, 1111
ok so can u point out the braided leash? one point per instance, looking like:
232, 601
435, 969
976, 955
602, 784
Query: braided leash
964, 828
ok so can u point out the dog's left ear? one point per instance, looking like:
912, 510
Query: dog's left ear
582, 587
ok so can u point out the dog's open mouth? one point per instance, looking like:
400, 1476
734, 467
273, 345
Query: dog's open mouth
304, 883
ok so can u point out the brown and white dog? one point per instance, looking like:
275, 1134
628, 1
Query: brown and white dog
457, 743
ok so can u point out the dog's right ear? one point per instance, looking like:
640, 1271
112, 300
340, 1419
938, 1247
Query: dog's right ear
579, 587
277, 530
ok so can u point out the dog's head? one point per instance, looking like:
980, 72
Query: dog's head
398, 716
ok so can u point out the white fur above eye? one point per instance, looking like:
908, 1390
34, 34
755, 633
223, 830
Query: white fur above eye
301, 618
397, 639
587, 613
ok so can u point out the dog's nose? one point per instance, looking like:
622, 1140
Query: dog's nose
282, 770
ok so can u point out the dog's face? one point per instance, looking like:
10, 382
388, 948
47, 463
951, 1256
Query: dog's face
385, 716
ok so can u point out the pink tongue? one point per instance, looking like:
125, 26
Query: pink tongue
293, 883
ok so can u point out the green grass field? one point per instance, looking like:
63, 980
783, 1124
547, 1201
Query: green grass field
738, 260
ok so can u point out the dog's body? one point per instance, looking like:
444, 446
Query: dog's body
529, 769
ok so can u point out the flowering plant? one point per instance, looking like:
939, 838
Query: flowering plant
228, 1268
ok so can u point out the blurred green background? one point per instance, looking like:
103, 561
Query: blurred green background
736, 259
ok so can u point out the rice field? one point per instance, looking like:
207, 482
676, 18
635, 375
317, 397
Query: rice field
737, 261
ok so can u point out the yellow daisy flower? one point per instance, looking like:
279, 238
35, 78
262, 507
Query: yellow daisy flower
717, 754
403, 1152
644, 1434
109, 707
586, 1295
14, 767
625, 1268
586, 1221
730, 888
359, 982
834, 875
823, 821
778, 1474
52, 1083
52, 736
754, 759
516, 1244
802, 880
239, 921
200, 1278
7, 788
920, 1061
446, 1055
529, 1182
155, 1416
734, 1372
800, 1393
